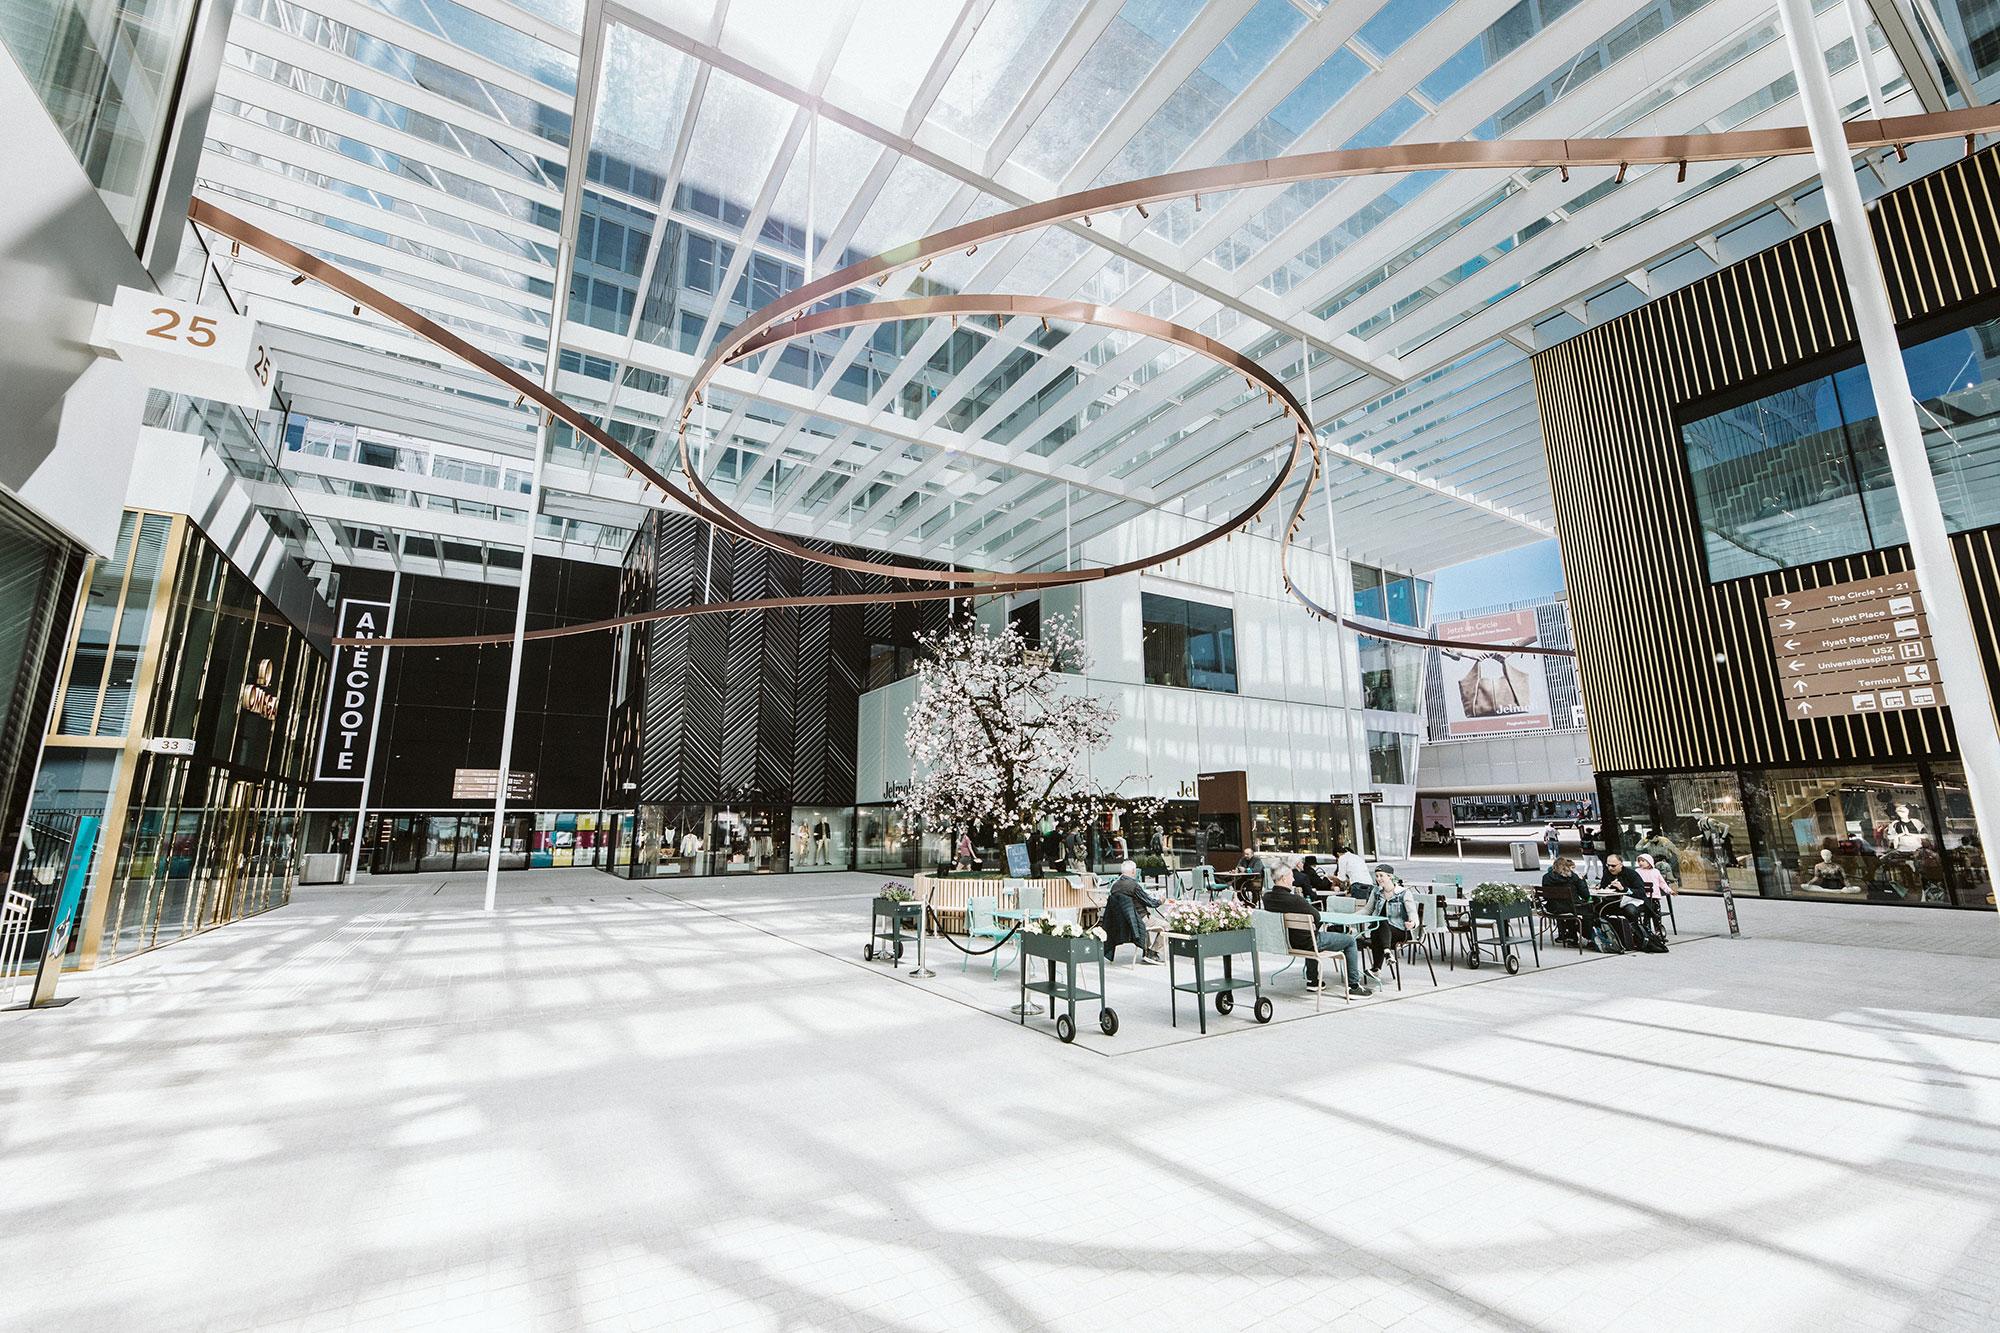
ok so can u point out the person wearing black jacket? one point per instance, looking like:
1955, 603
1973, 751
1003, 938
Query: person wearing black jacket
1312, 883
1623, 911
1565, 895
1282, 899
1125, 906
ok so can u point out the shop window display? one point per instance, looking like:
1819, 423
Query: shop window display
748, 839
884, 840
821, 837
1958, 839
1864, 835
1693, 826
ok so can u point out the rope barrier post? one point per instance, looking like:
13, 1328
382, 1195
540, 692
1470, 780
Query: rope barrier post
920, 972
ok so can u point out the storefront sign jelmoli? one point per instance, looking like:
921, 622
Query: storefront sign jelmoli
1853, 648
483, 784
350, 696
258, 696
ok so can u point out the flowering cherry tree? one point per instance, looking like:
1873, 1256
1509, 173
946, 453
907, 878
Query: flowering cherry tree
1000, 737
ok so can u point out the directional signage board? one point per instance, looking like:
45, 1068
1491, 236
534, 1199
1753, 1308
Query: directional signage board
1860, 647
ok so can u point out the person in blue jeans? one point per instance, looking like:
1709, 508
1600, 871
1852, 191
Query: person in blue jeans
1283, 898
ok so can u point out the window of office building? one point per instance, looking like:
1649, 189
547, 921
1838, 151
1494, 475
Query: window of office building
1369, 598
1392, 757
1188, 644
1800, 474
106, 70
1391, 674
1692, 825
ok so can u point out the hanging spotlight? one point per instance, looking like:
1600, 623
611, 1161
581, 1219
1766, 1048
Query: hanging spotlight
1682, 176
1564, 169
298, 279
1197, 203
1968, 144
1144, 214
1619, 179
1086, 219
972, 251
879, 281
1902, 152
921, 267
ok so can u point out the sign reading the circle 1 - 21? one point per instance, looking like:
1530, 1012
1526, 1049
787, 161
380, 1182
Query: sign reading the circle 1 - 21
203, 351
350, 695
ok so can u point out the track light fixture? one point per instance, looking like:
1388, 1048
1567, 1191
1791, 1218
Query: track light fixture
1902, 152
298, 279
1564, 169
1681, 176
1619, 179
1142, 210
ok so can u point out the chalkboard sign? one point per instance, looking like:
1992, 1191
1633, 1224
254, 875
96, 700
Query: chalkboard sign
1017, 859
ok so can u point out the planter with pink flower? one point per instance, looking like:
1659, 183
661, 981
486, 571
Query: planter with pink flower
1202, 931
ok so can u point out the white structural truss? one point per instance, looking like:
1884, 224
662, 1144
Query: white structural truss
729, 147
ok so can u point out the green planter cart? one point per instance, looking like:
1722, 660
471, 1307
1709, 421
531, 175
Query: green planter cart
1504, 941
889, 921
1069, 952
1198, 949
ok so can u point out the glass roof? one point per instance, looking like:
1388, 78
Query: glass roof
731, 149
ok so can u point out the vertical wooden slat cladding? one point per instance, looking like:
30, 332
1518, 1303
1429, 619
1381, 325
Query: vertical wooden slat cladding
1677, 672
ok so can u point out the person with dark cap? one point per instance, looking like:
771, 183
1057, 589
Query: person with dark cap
1284, 899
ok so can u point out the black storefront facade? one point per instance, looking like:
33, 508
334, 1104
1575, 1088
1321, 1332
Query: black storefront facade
430, 803
733, 736
1717, 448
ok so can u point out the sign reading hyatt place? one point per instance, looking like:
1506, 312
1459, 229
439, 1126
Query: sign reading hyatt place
1850, 648
350, 696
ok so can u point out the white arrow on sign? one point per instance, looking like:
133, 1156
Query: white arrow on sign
1804, 707
1791, 645
1783, 603
1794, 665
1798, 687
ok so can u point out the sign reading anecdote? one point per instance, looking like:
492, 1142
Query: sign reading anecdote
350, 695
1493, 691
1860, 647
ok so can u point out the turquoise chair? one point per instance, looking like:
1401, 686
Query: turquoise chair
980, 924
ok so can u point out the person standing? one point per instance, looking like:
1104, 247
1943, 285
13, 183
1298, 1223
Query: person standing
1353, 869
1552, 842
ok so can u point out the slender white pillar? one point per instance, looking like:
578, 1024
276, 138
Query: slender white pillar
1857, 21
1357, 747
1959, 666
514, 673
374, 725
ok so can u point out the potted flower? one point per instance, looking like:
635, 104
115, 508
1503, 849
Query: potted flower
1500, 904
1199, 931
894, 913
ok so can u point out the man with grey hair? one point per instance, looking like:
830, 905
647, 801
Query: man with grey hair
1284, 899
1126, 904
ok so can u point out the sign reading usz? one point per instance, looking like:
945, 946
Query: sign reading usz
350, 700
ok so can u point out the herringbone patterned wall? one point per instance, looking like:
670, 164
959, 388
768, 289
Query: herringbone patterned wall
757, 704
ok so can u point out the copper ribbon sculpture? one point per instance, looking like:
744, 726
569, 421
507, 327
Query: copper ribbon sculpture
792, 316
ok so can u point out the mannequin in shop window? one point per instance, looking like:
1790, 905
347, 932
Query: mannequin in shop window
1909, 866
1825, 874
822, 841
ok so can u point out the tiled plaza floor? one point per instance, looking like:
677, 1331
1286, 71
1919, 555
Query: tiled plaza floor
692, 1105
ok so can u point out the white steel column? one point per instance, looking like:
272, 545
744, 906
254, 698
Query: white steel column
1357, 747
1857, 19
514, 674
590, 54
375, 723
1959, 666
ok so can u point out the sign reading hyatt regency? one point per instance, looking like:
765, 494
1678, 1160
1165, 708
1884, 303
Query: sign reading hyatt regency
1850, 648
350, 696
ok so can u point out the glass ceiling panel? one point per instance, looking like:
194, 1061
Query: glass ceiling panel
784, 37
892, 46
642, 102
1118, 60
1202, 96
832, 171
736, 137
993, 74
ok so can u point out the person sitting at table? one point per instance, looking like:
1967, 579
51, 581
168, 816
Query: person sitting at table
1622, 913
1397, 907
1285, 899
1312, 883
1125, 906
1658, 886
1565, 895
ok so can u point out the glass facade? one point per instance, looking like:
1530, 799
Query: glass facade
1188, 644
1321, 828
1800, 474
1392, 674
178, 651
1399, 599
1392, 757
1896, 833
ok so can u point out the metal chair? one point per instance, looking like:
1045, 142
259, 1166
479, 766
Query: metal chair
981, 924
1272, 938
1418, 943
1299, 923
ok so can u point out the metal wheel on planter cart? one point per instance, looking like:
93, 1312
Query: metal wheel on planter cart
1107, 1022
1065, 1028
1224, 1002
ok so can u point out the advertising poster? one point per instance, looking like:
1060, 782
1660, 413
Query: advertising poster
1435, 820
1493, 691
